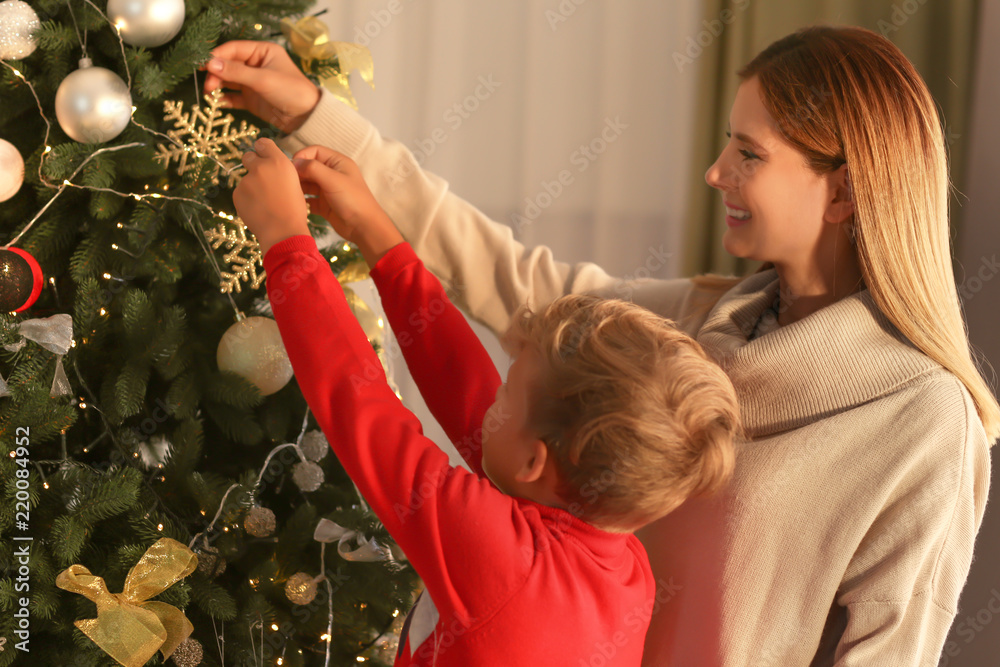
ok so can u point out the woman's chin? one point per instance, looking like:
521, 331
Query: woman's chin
735, 246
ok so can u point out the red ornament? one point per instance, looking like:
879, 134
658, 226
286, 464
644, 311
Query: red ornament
20, 280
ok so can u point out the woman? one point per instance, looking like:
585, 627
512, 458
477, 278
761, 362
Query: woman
848, 531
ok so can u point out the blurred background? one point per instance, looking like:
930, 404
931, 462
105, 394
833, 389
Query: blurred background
498, 98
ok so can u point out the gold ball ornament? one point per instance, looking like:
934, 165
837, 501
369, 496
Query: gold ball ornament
315, 445
307, 475
260, 521
18, 27
253, 349
188, 653
147, 23
210, 563
370, 323
11, 170
301, 588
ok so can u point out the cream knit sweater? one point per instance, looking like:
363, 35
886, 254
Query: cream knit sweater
847, 533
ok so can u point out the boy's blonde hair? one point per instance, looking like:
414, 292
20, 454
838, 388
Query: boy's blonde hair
637, 417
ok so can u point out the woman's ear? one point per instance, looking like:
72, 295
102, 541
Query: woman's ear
534, 465
841, 207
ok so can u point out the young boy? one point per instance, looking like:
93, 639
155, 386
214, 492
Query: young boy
609, 419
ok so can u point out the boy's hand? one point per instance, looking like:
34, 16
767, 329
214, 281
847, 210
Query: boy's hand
270, 85
342, 197
269, 198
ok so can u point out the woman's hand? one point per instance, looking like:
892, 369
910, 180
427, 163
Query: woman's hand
269, 198
343, 198
270, 85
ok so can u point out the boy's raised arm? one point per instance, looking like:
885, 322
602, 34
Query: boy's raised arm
448, 521
453, 371
455, 527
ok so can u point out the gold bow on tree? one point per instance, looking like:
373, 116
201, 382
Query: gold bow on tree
310, 40
128, 628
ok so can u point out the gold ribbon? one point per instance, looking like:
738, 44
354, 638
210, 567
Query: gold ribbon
310, 40
128, 628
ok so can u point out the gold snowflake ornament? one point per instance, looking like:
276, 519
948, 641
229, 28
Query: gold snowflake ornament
244, 267
204, 138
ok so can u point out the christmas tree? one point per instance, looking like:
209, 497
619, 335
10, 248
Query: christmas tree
144, 393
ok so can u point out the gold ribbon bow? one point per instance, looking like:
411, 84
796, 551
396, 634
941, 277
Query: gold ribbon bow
310, 40
127, 627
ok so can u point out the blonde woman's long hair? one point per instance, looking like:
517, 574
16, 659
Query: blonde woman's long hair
848, 95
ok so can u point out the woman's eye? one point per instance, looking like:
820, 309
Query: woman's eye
747, 155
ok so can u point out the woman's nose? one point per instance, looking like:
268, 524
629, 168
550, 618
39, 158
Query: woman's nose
715, 174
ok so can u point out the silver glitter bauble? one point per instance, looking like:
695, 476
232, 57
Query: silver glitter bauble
147, 23
259, 522
210, 563
252, 348
11, 170
93, 104
188, 653
315, 445
300, 588
18, 26
307, 475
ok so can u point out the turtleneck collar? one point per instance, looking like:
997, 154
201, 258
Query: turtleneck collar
841, 356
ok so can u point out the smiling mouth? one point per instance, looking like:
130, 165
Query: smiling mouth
737, 213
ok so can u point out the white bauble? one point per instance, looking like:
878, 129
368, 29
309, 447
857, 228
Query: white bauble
93, 104
189, 653
18, 25
259, 522
315, 445
147, 23
252, 348
308, 476
11, 170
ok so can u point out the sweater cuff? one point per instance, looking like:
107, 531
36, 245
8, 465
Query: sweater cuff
333, 124
298, 243
395, 260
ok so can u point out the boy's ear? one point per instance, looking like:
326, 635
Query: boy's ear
534, 465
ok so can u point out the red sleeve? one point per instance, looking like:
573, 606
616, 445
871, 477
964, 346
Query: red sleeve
461, 534
451, 367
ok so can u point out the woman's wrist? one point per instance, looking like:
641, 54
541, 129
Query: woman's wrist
312, 96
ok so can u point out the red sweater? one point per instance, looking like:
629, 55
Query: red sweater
514, 582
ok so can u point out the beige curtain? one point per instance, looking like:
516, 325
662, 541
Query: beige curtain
938, 36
